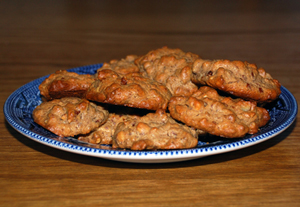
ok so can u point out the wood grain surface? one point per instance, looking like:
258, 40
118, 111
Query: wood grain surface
39, 37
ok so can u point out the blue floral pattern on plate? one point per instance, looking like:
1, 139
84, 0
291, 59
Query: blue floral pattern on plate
20, 104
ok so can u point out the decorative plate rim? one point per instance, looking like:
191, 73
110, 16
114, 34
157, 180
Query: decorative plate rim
158, 156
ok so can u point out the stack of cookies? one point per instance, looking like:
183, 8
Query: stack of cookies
165, 99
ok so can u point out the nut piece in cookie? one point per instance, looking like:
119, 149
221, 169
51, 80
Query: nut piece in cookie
132, 90
122, 66
238, 78
104, 134
217, 115
154, 131
65, 84
69, 116
171, 67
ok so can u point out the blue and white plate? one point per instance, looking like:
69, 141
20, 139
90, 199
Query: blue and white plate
20, 104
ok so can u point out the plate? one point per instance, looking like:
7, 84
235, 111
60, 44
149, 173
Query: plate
20, 104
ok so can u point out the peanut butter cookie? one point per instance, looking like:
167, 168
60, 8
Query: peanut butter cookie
171, 67
104, 134
217, 115
154, 131
65, 84
131, 90
238, 78
69, 116
122, 66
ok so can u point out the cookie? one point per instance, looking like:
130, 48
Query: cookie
122, 66
132, 90
65, 84
238, 78
217, 115
171, 67
154, 131
104, 134
69, 116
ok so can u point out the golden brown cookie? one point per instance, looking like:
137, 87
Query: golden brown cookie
171, 67
69, 116
154, 131
65, 84
238, 78
104, 134
131, 90
217, 115
122, 66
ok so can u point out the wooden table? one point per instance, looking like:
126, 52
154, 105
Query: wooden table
39, 37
